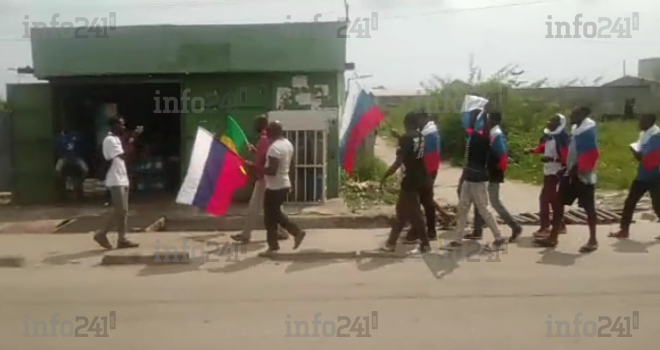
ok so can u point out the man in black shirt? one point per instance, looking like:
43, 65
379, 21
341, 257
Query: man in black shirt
495, 178
473, 185
410, 158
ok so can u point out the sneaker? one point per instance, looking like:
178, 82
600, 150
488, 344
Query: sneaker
102, 240
515, 233
297, 241
124, 243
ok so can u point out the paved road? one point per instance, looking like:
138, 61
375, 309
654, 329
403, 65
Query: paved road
442, 304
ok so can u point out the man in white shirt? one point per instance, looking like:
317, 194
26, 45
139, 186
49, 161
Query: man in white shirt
116, 180
278, 185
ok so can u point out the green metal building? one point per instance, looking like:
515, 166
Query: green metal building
135, 66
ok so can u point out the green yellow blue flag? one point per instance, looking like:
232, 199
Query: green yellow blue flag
234, 137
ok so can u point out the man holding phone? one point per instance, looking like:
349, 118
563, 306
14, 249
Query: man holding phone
118, 147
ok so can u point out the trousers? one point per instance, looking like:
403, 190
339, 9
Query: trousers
498, 206
477, 193
119, 215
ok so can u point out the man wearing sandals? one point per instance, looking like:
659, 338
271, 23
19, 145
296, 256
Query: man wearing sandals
474, 184
415, 179
647, 152
579, 180
554, 149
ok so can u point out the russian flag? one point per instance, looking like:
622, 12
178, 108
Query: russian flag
651, 153
498, 147
431, 147
471, 103
586, 145
361, 117
214, 173
562, 140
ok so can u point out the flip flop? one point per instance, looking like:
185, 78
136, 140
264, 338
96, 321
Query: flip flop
588, 248
545, 243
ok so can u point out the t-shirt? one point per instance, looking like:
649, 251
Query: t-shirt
551, 168
413, 169
280, 149
476, 159
68, 145
117, 174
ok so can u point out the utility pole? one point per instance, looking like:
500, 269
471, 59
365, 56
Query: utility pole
346, 10
624, 68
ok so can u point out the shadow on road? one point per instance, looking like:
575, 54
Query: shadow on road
64, 259
631, 246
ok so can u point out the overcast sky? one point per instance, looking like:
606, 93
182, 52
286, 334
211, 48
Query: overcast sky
415, 39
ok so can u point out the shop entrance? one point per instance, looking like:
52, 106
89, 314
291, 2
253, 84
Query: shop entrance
86, 109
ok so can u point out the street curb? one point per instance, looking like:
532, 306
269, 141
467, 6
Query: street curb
315, 255
137, 258
306, 222
12, 261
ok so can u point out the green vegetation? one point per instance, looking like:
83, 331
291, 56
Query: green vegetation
524, 120
362, 189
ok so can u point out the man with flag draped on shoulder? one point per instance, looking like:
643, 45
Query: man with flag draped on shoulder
647, 152
474, 180
579, 179
498, 158
431, 158
415, 179
553, 147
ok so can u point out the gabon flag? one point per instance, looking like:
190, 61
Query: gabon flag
215, 172
234, 137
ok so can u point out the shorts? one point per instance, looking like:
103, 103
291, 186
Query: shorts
569, 191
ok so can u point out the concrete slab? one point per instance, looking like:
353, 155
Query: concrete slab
12, 261
35, 226
128, 257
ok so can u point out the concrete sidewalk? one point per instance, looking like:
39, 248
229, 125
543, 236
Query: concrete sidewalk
39, 251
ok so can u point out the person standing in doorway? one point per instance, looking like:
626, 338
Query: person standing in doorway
278, 186
496, 165
117, 149
554, 149
256, 201
410, 158
647, 152
579, 180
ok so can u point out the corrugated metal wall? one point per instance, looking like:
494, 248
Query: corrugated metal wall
5, 152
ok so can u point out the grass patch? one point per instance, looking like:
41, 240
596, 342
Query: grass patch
362, 190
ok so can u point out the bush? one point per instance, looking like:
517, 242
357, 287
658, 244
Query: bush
524, 120
362, 189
